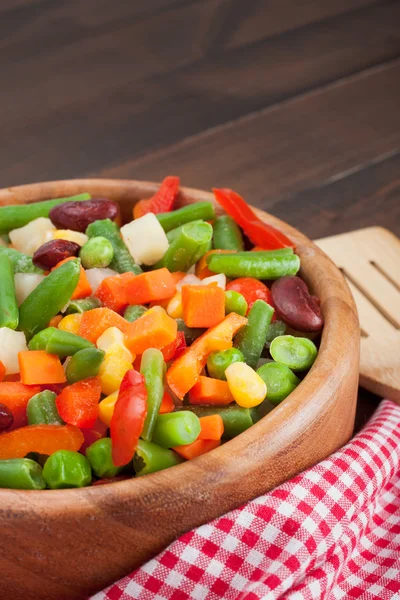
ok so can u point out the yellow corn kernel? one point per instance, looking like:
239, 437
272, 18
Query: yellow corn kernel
106, 408
71, 236
112, 371
112, 342
71, 323
121, 352
174, 308
245, 384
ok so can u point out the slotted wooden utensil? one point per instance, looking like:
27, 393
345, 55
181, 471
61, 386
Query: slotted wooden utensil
370, 261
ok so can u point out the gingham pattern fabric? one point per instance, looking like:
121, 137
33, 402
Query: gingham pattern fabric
333, 532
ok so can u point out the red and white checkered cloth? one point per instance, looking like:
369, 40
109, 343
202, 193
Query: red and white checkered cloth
332, 532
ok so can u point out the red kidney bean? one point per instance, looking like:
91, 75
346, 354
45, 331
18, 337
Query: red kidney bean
295, 305
6, 417
78, 215
51, 253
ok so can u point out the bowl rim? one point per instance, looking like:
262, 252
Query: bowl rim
324, 277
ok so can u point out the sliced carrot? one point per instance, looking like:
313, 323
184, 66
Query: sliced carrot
2, 371
155, 329
83, 289
15, 396
202, 271
151, 286
203, 306
112, 291
44, 439
94, 322
212, 427
185, 370
167, 404
210, 391
197, 448
38, 367
54, 322
78, 404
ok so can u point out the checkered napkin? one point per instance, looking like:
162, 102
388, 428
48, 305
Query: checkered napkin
332, 532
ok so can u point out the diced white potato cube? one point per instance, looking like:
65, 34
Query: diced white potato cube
29, 238
25, 283
145, 239
188, 280
71, 236
11, 342
219, 279
96, 276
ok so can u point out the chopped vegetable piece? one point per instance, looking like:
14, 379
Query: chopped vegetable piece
38, 367
196, 448
78, 403
15, 396
202, 271
150, 458
155, 329
84, 364
29, 238
112, 291
153, 370
251, 289
106, 408
162, 201
176, 429
261, 265
203, 306
122, 261
151, 286
71, 323
187, 245
212, 427
192, 212
132, 313
25, 283
227, 234
67, 469
71, 236
97, 253
251, 339
6, 418
83, 288
95, 322
218, 362
191, 334
96, 276
22, 263
245, 384
9, 314
2, 371
236, 419
296, 353
145, 239
280, 381
21, 474
111, 373
57, 341
167, 404
44, 439
11, 343
235, 302
210, 391
275, 329
99, 455
42, 410
97, 432
82, 305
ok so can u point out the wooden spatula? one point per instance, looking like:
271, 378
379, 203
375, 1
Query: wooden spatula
370, 261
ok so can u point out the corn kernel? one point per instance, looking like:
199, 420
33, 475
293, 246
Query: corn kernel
71, 236
106, 408
112, 371
245, 384
174, 308
112, 342
71, 323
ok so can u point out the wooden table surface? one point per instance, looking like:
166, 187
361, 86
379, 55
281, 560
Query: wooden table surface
293, 103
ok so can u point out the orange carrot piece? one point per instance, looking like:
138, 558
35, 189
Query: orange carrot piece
38, 367
83, 289
196, 448
78, 403
13, 377
155, 329
54, 321
167, 404
177, 277
44, 439
203, 306
202, 271
112, 291
185, 370
212, 427
150, 287
2, 371
94, 322
210, 391
15, 396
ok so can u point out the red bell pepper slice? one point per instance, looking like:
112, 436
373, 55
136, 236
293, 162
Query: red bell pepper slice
251, 289
78, 403
128, 418
162, 201
174, 348
261, 234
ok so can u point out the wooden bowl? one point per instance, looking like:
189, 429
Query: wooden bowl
70, 543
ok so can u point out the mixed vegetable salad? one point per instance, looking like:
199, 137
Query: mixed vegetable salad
125, 350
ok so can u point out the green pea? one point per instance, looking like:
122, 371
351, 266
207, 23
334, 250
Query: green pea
99, 454
218, 362
67, 469
176, 429
97, 253
235, 302
296, 353
280, 381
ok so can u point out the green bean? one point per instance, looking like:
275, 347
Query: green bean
176, 429
187, 246
227, 234
280, 381
9, 314
150, 458
153, 369
191, 333
275, 329
296, 353
97, 253
218, 362
134, 312
22, 263
251, 338
42, 410
235, 302
236, 419
48, 298
18, 215
83, 364
122, 261
192, 212
57, 341
260, 265
99, 455
82, 305
67, 469
21, 474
